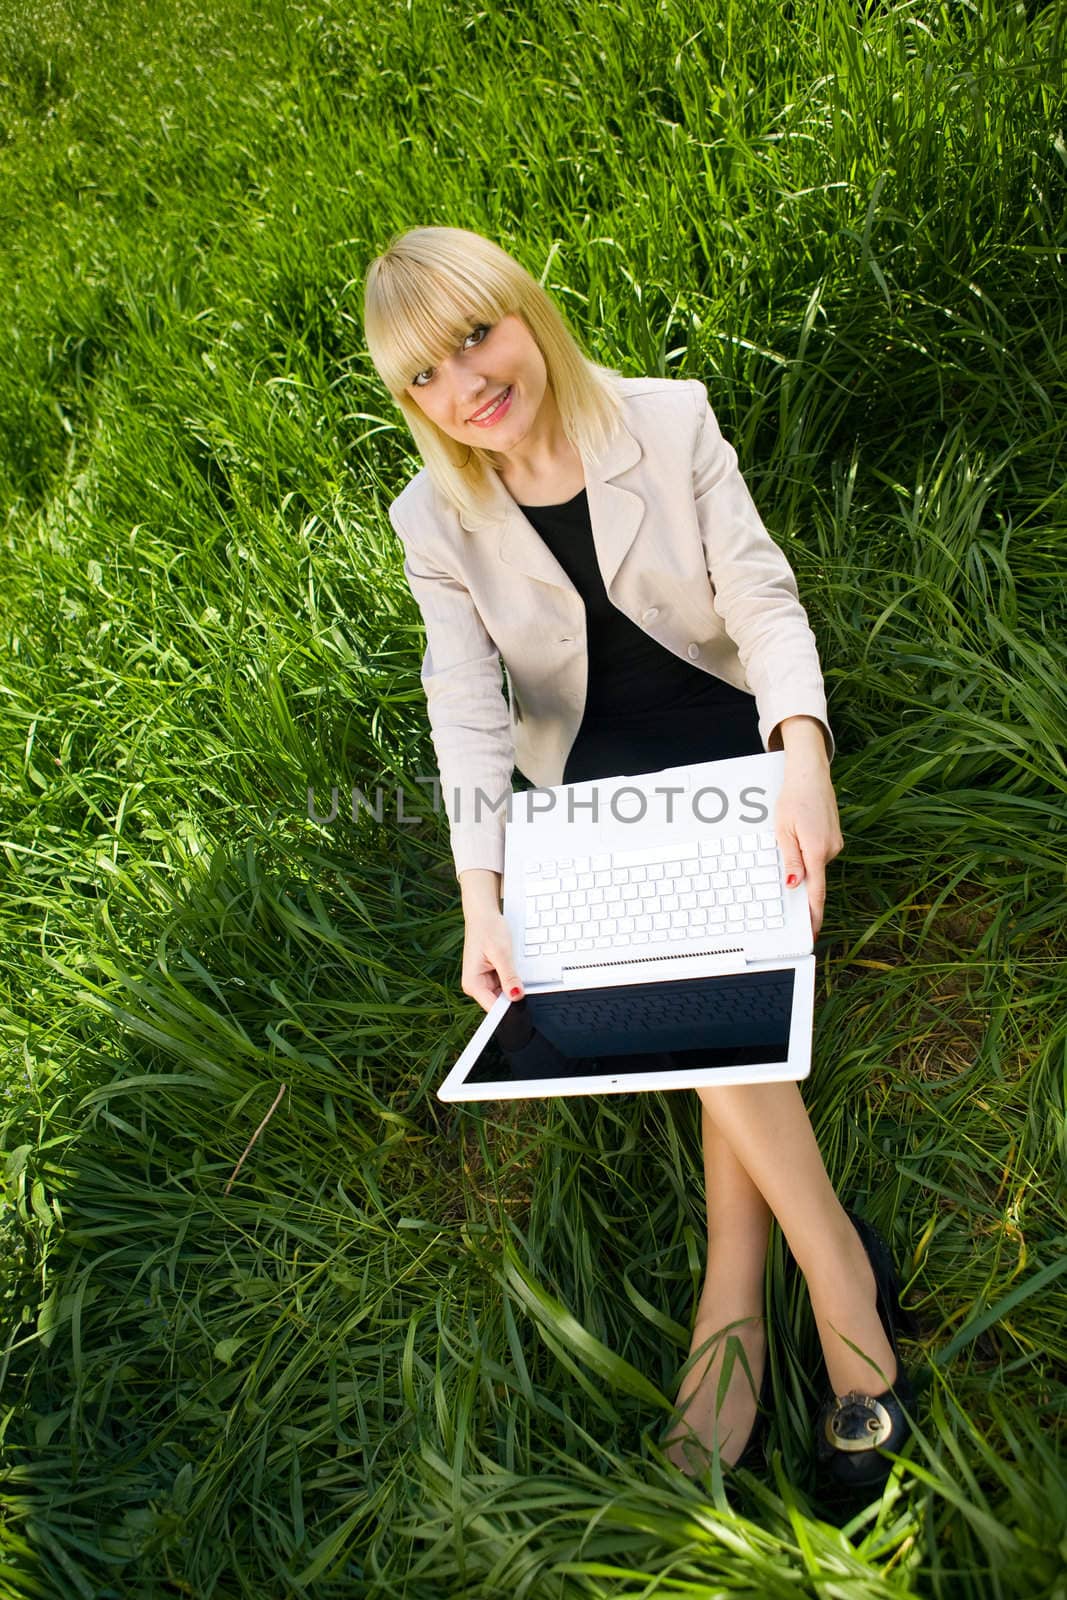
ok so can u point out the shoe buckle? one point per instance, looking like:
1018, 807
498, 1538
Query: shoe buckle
878, 1424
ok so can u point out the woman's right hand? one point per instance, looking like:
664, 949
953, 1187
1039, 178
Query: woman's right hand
488, 962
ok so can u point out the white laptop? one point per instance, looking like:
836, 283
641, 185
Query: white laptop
656, 941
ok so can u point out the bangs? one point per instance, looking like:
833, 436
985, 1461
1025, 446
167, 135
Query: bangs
417, 317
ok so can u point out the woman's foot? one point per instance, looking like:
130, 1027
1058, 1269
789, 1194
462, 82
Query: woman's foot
856, 1433
844, 1300
703, 1428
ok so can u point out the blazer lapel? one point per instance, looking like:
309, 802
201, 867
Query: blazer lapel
614, 510
615, 513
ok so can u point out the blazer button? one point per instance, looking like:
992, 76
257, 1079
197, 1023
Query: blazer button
651, 614
693, 651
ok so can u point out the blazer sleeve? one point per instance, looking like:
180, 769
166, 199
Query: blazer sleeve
754, 589
468, 714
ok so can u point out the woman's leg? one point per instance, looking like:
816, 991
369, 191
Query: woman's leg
739, 1222
769, 1132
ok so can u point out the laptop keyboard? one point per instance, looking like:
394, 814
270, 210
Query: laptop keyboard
647, 1008
730, 885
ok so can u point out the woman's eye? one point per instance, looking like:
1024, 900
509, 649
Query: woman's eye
477, 333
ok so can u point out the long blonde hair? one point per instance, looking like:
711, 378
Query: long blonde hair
422, 295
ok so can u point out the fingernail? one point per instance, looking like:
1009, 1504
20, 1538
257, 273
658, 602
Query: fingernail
515, 993
791, 880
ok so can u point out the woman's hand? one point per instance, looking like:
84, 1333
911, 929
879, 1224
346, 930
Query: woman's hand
805, 819
488, 963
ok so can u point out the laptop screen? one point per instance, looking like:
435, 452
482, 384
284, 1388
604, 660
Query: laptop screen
740, 1019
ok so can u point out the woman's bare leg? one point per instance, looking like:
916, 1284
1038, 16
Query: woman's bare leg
739, 1222
767, 1127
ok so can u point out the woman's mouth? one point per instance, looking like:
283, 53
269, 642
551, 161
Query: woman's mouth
493, 410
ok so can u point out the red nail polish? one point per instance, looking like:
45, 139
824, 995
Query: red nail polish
515, 993
791, 880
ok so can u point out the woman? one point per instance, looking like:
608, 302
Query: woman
561, 505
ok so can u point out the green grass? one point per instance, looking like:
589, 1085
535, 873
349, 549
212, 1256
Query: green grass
420, 1350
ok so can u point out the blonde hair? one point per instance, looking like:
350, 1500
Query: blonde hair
422, 295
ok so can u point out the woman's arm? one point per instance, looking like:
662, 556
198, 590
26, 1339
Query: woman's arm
471, 731
754, 590
755, 593
468, 714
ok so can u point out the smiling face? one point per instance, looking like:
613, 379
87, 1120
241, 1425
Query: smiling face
489, 391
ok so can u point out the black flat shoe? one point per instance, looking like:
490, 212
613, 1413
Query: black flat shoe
854, 1430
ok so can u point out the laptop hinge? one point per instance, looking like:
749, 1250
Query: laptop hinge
603, 974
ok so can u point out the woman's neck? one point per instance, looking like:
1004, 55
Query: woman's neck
548, 483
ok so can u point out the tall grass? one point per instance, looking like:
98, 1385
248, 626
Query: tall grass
423, 1350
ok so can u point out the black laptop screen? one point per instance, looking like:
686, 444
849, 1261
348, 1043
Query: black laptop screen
737, 1020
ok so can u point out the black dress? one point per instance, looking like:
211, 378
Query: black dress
645, 708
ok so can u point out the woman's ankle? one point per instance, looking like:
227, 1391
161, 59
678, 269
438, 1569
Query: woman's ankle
828, 1242
734, 1276
841, 1273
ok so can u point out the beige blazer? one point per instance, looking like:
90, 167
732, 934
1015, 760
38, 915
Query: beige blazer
683, 554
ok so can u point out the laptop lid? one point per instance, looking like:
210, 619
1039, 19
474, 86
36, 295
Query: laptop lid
705, 1028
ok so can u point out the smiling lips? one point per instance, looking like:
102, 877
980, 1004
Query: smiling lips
492, 409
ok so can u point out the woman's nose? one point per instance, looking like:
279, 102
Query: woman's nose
472, 392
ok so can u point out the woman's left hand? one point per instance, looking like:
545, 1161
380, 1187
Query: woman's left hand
807, 825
